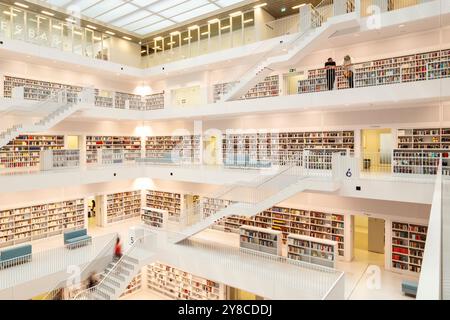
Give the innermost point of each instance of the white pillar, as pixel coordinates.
(305, 17)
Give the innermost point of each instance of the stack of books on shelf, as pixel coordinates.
(130, 147)
(180, 285)
(261, 239)
(320, 225)
(134, 286)
(183, 149)
(38, 90)
(154, 217)
(168, 201)
(270, 87)
(104, 99)
(40, 221)
(312, 250)
(419, 150)
(320, 159)
(408, 246)
(414, 67)
(154, 101)
(24, 151)
(123, 205)
(59, 159)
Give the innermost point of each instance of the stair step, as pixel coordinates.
(117, 276)
(106, 287)
(130, 259)
(111, 281)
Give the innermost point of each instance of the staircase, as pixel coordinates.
(266, 195)
(118, 274)
(315, 28)
(63, 111)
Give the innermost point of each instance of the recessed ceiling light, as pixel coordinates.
(260, 5)
(205, 33)
(21, 5)
(110, 33)
(158, 38)
(235, 14)
(47, 13)
(213, 21)
(91, 27)
(299, 6)
(401, 26)
(175, 33)
(143, 51)
(194, 27)
(127, 38)
(248, 21)
(71, 20)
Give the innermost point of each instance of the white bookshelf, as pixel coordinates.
(320, 225)
(104, 99)
(408, 246)
(167, 201)
(269, 87)
(154, 101)
(185, 148)
(419, 149)
(154, 217)
(25, 150)
(130, 146)
(59, 159)
(38, 90)
(261, 239)
(134, 286)
(130, 101)
(320, 159)
(408, 68)
(35, 222)
(312, 250)
(180, 285)
(123, 205)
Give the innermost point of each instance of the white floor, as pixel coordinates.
(145, 295)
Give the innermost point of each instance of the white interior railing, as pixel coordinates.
(429, 287)
(445, 232)
(51, 261)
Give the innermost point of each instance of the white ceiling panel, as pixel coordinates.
(143, 16)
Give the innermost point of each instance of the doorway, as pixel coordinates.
(192, 207)
(376, 147)
(210, 150)
(369, 239)
(95, 217)
(73, 142)
(291, 81)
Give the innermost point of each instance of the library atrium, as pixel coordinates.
(224, 149)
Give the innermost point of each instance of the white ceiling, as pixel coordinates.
(143, 16)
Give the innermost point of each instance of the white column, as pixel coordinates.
(349, 222)
(82, 147)
(388, 245)
(305, 17)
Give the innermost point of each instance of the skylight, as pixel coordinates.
(143, 16)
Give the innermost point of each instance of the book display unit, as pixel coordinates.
(128, 145)
(154, 101)
(134, 286)
(260, 239)
(24, 151)
(168, 201)
(415, 67)
(312, 250)
(40, 221)
(128, 101)
(319, 225)
(180, 285)
(59, 159)
(419, 150)
(104, 99)
(38, 90)
(222, 89)
(408, 246)
(123, 205)
(154, 217)
(320, 159)
(270, 87)
(185, 148)
(286, 147)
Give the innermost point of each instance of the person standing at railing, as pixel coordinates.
(348, 70)
(330, 66)
(118, 249)
(92, 281)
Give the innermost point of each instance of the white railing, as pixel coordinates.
(370, 7)
(429, 287)
(299, 280)
(284, 26)
(52, 261)
(99, 263)
(59, 159)
(144, 247)
(445, 240)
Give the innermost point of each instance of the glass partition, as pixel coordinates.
(77, 40)
(5, 21)
(67, 38)
(43, 30)
(56, 34)
(18, 24)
